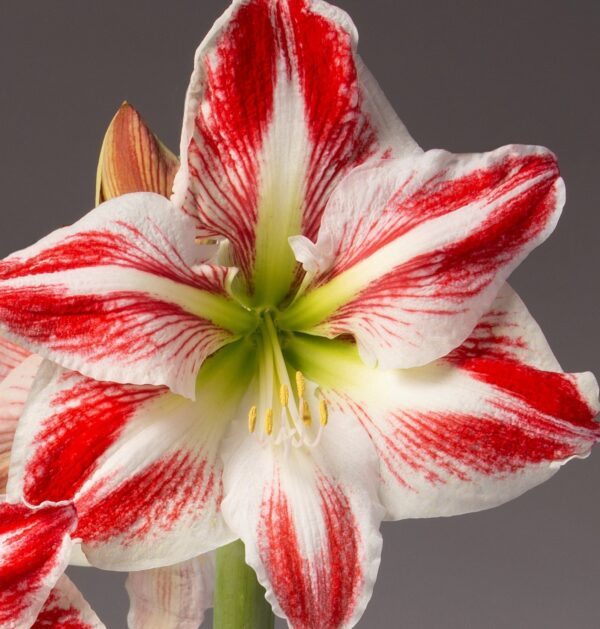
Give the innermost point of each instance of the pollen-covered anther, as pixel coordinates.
(284, 395)
(269, 421)
(252, 419)
(306, 414)
(300, 384)
(323, 413)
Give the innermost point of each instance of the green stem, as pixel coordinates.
(239, 601)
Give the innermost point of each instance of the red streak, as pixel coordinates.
(128, 326)
(342, 136)
(546, 392)
(506, 228)
(223, 152)
(155, 499)
(153, 254)
(269, 42)
(88, 417)
(54, 615)
(31, 542)
(319, 590)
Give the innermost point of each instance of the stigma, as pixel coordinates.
(290, 421)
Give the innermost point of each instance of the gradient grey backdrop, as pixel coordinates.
(467, 76)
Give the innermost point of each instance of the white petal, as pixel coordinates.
(118, 296)
(469, 431)
(266, 141)
(141, 464)
(309, 521)
(422, 247)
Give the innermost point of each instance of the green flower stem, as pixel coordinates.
(239, 601)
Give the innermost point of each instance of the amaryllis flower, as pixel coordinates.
(312, 335)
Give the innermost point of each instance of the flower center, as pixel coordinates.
(284, 414)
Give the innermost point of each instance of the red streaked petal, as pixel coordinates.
(309, 522)
(119, 295)
(474, 429)
(14, 390)
(90, 415)
(141, 464)
(174, 597)
(11, 355)
(66, 608)
(276, 114)
(34, 551)
(417, 249)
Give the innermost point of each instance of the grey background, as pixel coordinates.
(467, 76)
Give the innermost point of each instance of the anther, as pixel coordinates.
(300, 383)
(269, 421)
(284, 395)
(252, 419)
(323, 413)
(306, 416)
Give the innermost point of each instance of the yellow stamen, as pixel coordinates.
(300, 383)
(306, 416)
(323, 413)
(269, 421)
(252, 419)
(284, 395)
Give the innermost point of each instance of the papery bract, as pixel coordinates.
(133, 159)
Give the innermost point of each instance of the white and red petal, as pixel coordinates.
(141, 464)
(278, 110)
(11, 355)
(66, 608)
(473, 430)
(421, 247)
(309, 520)
(174, 597)
(121, 295)
(14, 390)
(34, 551)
